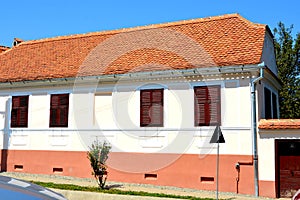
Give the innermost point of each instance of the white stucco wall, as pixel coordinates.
(39, 105)
(266, 155)
(114, 115)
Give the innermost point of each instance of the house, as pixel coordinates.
(156, 93)
(3, 48)
(281, 138)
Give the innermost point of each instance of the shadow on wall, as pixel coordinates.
(6, 135)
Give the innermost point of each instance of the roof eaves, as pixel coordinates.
(272, 124)
(137, 75)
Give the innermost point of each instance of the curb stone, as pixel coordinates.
(78, 195)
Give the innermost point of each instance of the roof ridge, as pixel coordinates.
(143, 27)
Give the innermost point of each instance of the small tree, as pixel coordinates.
(98, 154)
(287, 51)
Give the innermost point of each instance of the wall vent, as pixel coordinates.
(57, 170)
(205, 179)
(18, 167)
(150, 176)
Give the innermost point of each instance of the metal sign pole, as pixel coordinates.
(218, 138)
(218, 153)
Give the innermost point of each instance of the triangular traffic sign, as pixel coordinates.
(217, 136)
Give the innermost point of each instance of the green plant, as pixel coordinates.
(98, 154)
(114, 191)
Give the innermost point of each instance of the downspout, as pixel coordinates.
(254, 125)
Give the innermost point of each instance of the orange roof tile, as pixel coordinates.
(221, 41)
(279, 124)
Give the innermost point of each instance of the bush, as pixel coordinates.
(98, 154)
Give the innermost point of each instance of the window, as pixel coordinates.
(270, 104)
(274, 106)
(19, 111)
(59, 109)
(151, 108)
(207, 105)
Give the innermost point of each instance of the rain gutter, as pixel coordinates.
(138, 75)
(254, 125)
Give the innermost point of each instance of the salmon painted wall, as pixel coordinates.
(190, 171)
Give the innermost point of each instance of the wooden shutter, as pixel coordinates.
(14, 116)
(151, 107)
(54, 100)
(16, 102)
(214, 100)
(156, 111)
(59, 109)
(201, 105)
(207, 104)
(53, 117)
(19, 111)
(145, 106)
(23, 116)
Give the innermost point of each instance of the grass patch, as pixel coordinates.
(113, 191)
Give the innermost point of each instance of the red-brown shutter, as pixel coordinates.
(54, 100)
(59, 110)
(145, 108)
(151, 108)
(16, 102)
(201, 105)
(63, 116)
(13, 120)
(19, 111)
(214, 100)
(53, 117)
(23, 117)
(156, 112)
(207, 105)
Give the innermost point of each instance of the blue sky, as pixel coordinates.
(35, 19)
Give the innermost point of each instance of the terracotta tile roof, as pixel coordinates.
(279, 124)
(219, 41)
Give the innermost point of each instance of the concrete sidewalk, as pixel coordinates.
(79, 195)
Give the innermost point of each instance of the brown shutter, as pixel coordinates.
(157, 108)
(59, 110)
(19, 111)
(207, 105)
(214, 100)
(23, 113)
(16, 102)
(54, 100)
(145, 108)
(23, 101)
(151, 108)
(63, 116)
(13, 120)
(201, 105)
(64, 100)
(53, 117)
